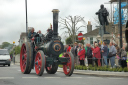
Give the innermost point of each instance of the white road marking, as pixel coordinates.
(73, 77)
(15, 67)
(29, 77)
(115, 78)
(6, 77)
(93, 77)
(51, 77)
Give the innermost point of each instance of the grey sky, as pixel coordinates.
(12, 14)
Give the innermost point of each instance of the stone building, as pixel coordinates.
(23, 37)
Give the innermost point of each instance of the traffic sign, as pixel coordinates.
(80, 36)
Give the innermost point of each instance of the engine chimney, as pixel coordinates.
(55, 22)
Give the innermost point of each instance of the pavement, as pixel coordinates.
(95, 73)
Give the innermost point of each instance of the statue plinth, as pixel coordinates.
(106, 37)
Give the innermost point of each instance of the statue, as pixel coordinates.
(102, 15)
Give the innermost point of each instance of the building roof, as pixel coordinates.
(117, 1)
(94, 32)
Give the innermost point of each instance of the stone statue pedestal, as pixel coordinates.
(106, 37)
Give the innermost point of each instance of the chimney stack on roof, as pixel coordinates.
(89, 23)
(89, 27)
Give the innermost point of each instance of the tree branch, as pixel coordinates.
(79, 28)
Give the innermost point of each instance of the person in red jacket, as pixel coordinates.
(96, 54)
(81, 55)
(69, 48)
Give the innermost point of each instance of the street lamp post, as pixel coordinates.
(26, 18)
(13, 51)
(120, 24)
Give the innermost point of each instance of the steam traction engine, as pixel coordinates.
(43, 53)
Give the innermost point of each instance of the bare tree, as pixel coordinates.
(71, 25)
(95, 21)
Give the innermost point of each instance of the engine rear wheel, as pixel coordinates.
(26, 58)
(52, 69)
(69, 67)
(39, 63)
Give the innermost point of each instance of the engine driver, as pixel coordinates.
(31, 34)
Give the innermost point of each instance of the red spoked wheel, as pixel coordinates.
(69, 67)
(25, 58)
(39, 63)
(52, 69)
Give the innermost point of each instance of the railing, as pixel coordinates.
(110, 61)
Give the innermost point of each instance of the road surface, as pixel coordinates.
(13, 76)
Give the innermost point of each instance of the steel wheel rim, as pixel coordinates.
(67, 67)
(23, 58)
(38, 63)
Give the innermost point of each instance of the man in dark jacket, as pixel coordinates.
(75, 48)
(89, 54)
(105, 52)
(123, 57)
(74, 51)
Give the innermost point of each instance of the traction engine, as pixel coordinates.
(43, 53)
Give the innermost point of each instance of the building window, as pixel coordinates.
(91, 40)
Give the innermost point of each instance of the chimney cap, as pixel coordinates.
(55, 10)
(89, 22)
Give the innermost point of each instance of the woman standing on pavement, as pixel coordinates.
(96, 55)
(81, 55)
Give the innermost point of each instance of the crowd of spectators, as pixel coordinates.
(99, 54)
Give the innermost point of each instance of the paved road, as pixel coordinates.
(12, 76)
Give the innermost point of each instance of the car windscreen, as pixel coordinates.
(4, 52)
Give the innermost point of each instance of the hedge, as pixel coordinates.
(95, 68)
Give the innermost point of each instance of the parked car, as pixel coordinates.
(4, 57)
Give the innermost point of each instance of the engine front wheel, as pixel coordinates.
(39, 63)
(69, 67)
